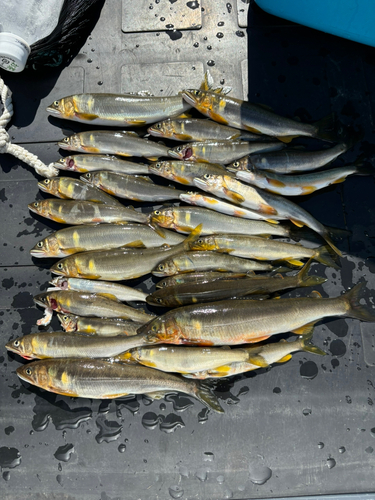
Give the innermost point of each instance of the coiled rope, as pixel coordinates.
(18, 151)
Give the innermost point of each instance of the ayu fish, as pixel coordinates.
(231, 322)
(185, 172)
(91, 162)
(100, 379)
(84, 212)
(131, 187)
(199, 277)
(71, 240)
(108, 327)
(255, 118)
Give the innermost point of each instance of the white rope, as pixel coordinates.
(18, 151)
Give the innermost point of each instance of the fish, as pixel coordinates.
(184, 172)
(214, 151)
(186, 359)
(297, 185)
(113, 142)
(218, 205)
(71, 345)
(130, 186)
(100, 379)
(84, 212)
(86, 304)
(117, 110)
(113, 291)
(261, 356)
(291, 161)
(91, 162)
(197, 129)
(194, 292)
(186, 262)
(267, 203)
(71, 240)
(231, 322)
(98, 326)
(256, 118)
(254, 247)
(118, 264)
(198, 277)
(185, 219)
(74, 189)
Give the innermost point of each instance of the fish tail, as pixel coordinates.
(305, 280)
(365, 170)
(326, 128)
(307, 346)
(352, 137)
(338, 234)
(325, 255)
(204, 394)
(327, 237)
(195, 232)
(354, 308)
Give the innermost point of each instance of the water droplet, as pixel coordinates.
(92, 50)
(193, 5)
(222, 81)
(370, 449)
(61, 415)
(100, 82)
(372, 432)
(180, 403)
(203, 415)
(348, 399)
(221, 23)
(201, 474)
(89, 60)
(308, 370)
(109, 430)
(196, 44)
(209, 47)
(342, 449)
(169, 26)
(229, 8)
(331, 462)
(306, 412)
(176, 491)
(6, 475)
(150, 420)
(208, 456)
(162, 19)
(59, 467)
(171, 423)
(276, 390)
(122, 448)
(157, 1)
(63, 453)
(220, 35)
(162, 406)
(131, 403)
(9, 457)
(240, 33)
(144, 461)
(183, 471)
(259, 474)
(337, 348)
(174, 34)
(104, 406)
(220, 479)
(59, 479)
(210, 63)
(150, 7)
(320, 445)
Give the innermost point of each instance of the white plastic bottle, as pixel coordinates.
(22, 23)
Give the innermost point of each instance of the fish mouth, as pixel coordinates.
(39, 302)
(43, 187)
(57, 271)
(188, 97)
(31, 207)
(199, 183)
(153, 131)
(174, 154)
(10, 348)
(36, 252)
(51, 109)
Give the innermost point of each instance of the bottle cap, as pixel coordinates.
(14, 52)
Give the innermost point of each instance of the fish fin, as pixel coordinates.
(136, 123)
(183, 137)
(297, 223)
(186, 114)
(337, 233)
(305, 329)
(328, 239)
(326, 128)
(326, 256)
(151, 158)
(224, 369)
(267, 209)
(305, 280)
(287, 138)
(109, 296)
(218, 118)
(284, 359)
(205, 395)
(276, 296)
(125, 357)
(158, 230)
(135, 244)
(354, 308)
(91, 149)
(271, 221)
(250, 273)
(258, 339)
(86, 116)
(276, 183)
(157, 394)
(308, 190)
(207, 82)
(236, 197)
(338, 181)
(295, 262)
(251, 129)
(365, 170)
(266, 236)
(307, 346)
(195, 232)
(315, 295)
(145, 178)
(258, 360)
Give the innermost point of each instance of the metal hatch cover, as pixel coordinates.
(160, 15)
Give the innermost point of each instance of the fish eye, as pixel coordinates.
(65, 318)
(56, 103)
(159, 301)
(16, 343)
(161, 267)
(179, 149)
(157, 212)
(158, 125)
(66, 139)
(60, 266)
(36, 204)
(154, 328)
(44, 299)
(28, 371)
(88, 176)
(200, 241)
(47, 181)
(40, 244)
(236, 164)
(158, 165)
(207, 176)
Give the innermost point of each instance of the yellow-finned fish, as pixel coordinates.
(91, 162)
(100, 379)
(107, 327)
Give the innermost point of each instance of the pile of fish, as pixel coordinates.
(207, 252)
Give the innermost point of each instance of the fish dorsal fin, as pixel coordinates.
(207, 82)
(109, 296)
(305, 329)
(134, 244)
(130, 132)
(315, 295)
